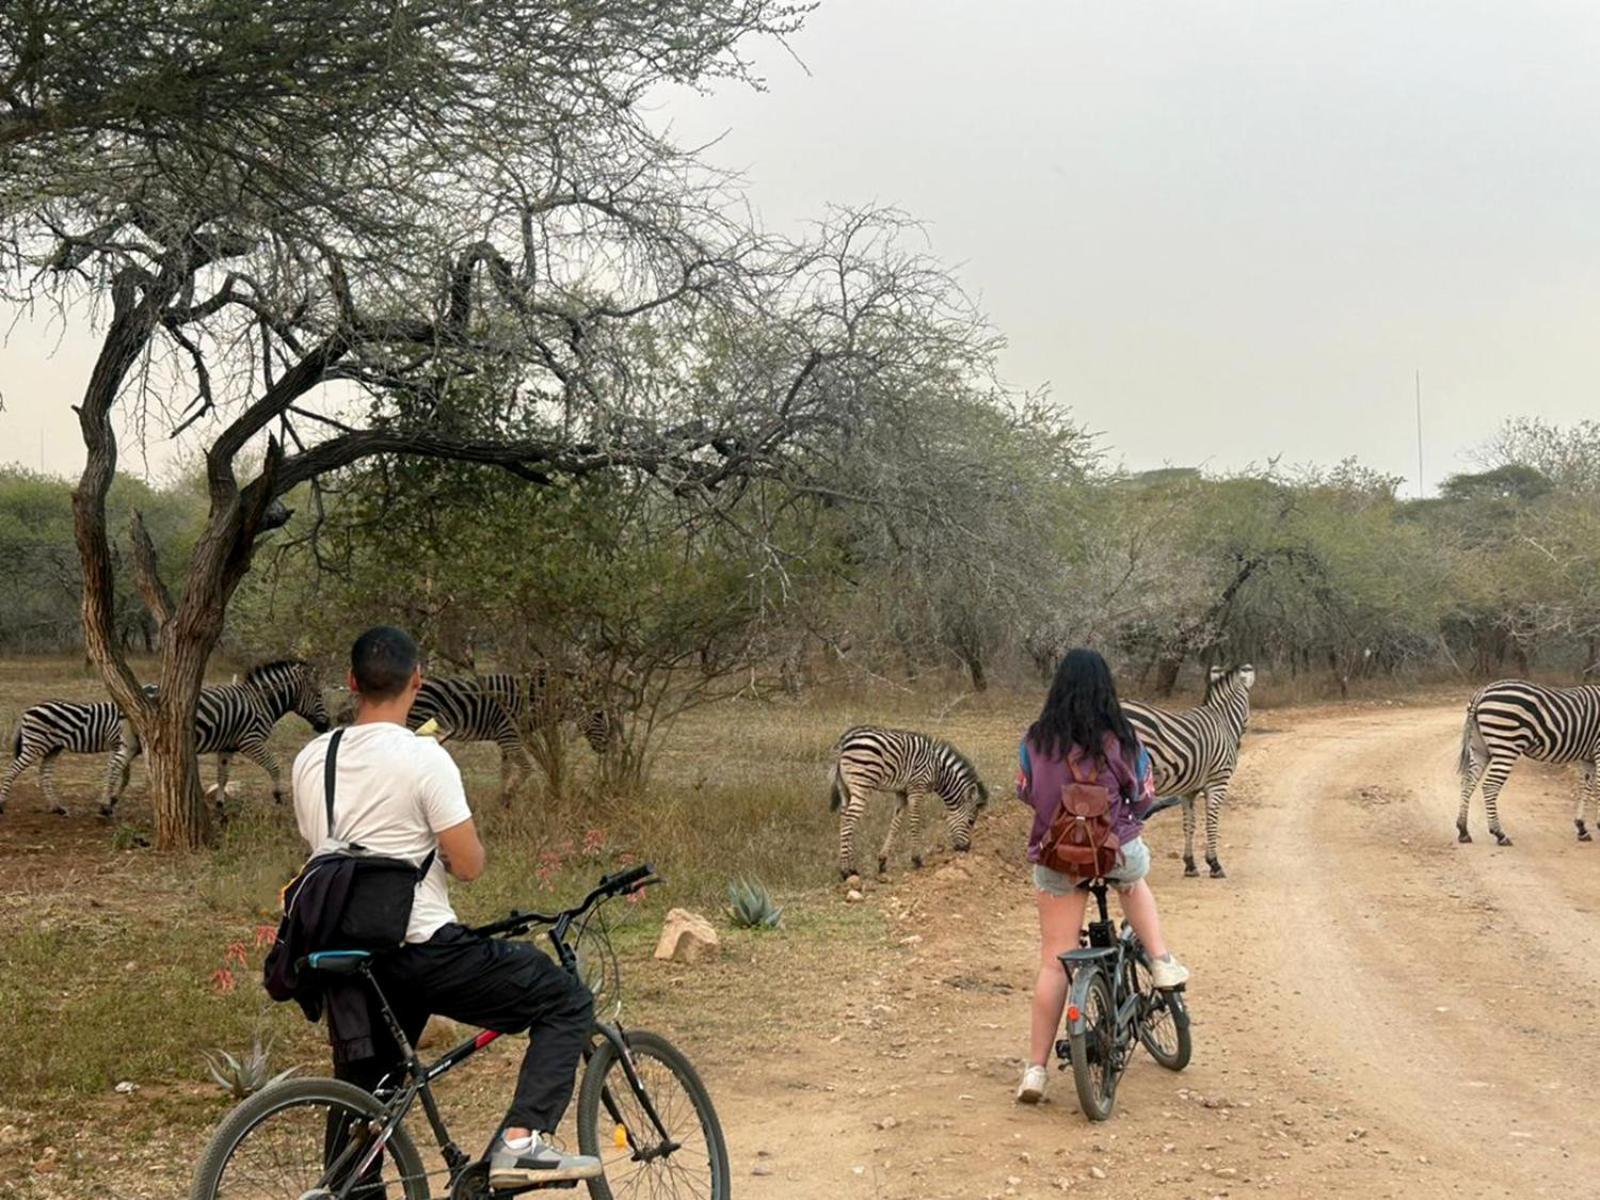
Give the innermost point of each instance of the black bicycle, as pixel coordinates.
(641, 1107)
(1113, 1005)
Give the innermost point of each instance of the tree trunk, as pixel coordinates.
(181, 819)
(980, 681)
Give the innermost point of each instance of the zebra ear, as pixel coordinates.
(1217, 673)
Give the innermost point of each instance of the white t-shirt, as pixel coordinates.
(395, 793)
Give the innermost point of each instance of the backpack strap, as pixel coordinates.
(330, 774)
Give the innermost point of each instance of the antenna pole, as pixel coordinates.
(1419, 434)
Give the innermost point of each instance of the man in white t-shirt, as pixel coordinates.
(400, 795)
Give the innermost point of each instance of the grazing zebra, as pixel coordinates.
(56, 727)
(238, 718)
(466, 712)
(1195, 752)
(912, 765)
(544, 697)
(1511, 718)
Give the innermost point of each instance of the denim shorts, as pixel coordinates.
(1133, 866)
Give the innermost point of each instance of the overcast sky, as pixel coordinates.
(1218, 231)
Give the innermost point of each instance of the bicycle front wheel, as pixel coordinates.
(1092, 1034)
(306, 1138)
(614, 1125)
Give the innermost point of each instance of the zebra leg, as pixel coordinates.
(1494, 778)
(1189, 869)
(18, 765)
(894, 828)
(47, 780)
(120, 765)
(268, 762)
(914, 803)
(849, 816)
(1469, 782)
(1214, 798)
(1587, 795)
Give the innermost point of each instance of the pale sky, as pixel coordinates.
(1218, 231)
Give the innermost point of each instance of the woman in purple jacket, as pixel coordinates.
(1082, 725)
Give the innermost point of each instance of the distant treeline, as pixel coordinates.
(986, 546)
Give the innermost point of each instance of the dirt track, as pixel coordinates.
(1378, 1011)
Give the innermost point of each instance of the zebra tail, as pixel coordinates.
(1470, 736)
(836, 793)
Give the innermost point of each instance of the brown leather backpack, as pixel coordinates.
(1080, 842)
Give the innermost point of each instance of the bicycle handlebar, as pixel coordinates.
(620, 884)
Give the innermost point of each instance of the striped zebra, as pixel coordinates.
(238, 718)
(545, 697)
(912, 765)
(1512, 718)
(466, 712)
(1195, 752)
(56, 727)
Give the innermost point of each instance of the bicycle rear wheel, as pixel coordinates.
(1092, 1035)
(1163, 1017)
(696, 1167)
(280, 1143)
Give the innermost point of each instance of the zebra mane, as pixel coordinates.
(261, 670)
(966, 765)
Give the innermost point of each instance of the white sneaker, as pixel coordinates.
(1034, 1080)
(1168, 972)
(539, 1163)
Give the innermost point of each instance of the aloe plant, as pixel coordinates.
(750, 906)
(247, 1074)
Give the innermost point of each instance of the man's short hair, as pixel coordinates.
(382, 661)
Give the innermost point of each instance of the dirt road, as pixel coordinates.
(1378, 1011)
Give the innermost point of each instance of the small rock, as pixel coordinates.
(854, 896)
(126, 1088)
(686, 937)
(1097, 1172)
(853, 882)
(887, 1123)
(1013, 1180)
(761, 1168)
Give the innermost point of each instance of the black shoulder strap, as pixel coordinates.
(329, 774)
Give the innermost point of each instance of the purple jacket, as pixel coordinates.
(1040, 778)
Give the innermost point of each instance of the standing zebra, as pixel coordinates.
(56, 727)
(546, 697)
(1511, 718)
(912, 765)
(1195, 752)
(465, 711)
(238, 718)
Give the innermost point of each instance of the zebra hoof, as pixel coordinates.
(1216, 869)
(916, 861)
(883, 866)
(1190, 871)
(1501, 838)
(60, 810)
(1463, 836)
(1583, 832)
(107, 812)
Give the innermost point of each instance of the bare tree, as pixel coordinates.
(317, 216)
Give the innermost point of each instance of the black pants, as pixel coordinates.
(492, 983)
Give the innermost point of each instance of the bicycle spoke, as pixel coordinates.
(686, 1172)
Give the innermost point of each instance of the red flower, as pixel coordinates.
(236, 953)
(222, 981)
(266, 936)
(594, 841)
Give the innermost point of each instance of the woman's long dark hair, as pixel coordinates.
(1081, 709)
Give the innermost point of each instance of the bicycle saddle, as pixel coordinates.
(337, 962)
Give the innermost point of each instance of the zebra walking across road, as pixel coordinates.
(466, 712)
(238, 718)
(1512, 718)
(1194, 752)
(913, 766)
(56, 727)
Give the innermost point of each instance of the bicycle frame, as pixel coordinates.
(419, 1076)
(1112, 950)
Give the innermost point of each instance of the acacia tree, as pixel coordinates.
(316, 215)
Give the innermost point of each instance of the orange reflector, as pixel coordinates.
(620, 1138)
(1072, 1012)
